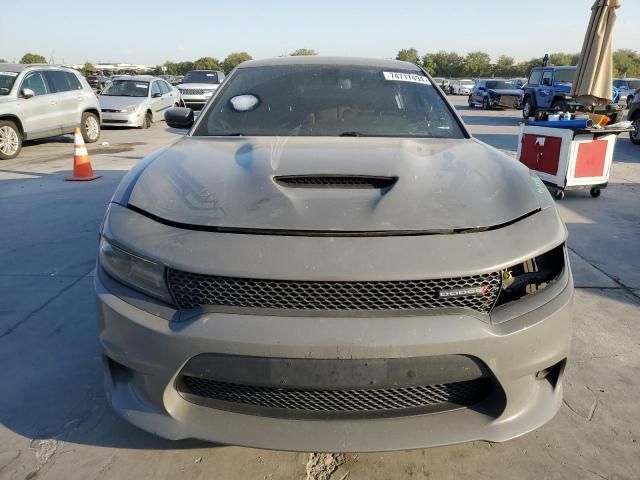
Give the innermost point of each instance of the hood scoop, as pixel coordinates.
(335, 181)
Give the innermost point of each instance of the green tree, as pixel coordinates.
(562, 59)
(32, 58)
(523, 69)
(429, 63)
(477, 64)
(87, 68)
(505, 67)
(408, 55)
(235, 59)
(207, 63)
(303, 51)
(2, 60)
(626, 63)
(448, 64)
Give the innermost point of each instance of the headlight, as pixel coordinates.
(531, 276)
(129, 109)
(135, 272)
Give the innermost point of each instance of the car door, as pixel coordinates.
(156, 99)
(481, 87)
(40, 117)
(167, 95)
(545, 89)
(66, 103)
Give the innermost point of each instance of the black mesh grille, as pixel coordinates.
(339, 401)
(192, 290)
(347, 181)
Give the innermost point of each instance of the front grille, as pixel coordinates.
(195, 91)
(191, 290)
(108, 110)
(111, 120)
(345, 181)
(292, 401)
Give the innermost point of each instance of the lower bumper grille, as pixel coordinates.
(284, 402)
(477, 292)
(112, 120)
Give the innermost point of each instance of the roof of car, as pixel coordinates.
(322, 60)
(19, 67)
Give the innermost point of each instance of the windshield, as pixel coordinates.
(126, 88)
(501, 84)
(6, 82)
(328, 101)
(565, 75)
(200, 77)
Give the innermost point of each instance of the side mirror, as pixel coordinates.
(156, 95)
(179, 117)
(27, 93)
(546, 82)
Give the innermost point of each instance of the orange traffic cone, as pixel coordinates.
(82, 170)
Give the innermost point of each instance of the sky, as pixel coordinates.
(151, 32)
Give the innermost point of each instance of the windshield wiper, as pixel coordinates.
(350, 134)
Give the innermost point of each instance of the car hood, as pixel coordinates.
(115, 103)
(505, 91)
(205, 86)
(442, 185)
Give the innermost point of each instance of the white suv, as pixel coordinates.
(197, 87)
(38, 101)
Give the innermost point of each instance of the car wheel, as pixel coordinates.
(635, 135)
(10, 140)
(90, 126)
(146, 121)
(471, 104)
(485, 104)
(528, 110)
(595, 192)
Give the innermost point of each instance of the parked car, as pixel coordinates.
(328, 250)
(197, 86)
(443, 83)
(462, 87)
(137, 101)
(627, 88)
(547, 87)
(97, 82)
(634, 116)
(518, 82)
(39, 101)
(493, 93)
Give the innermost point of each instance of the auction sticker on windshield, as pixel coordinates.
(406, 77)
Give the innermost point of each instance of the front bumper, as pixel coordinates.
(118, 119)
(195, 102)
(144, 354)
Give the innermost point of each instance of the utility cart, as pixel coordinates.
(569, 158)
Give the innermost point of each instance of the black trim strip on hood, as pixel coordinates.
(325, 233)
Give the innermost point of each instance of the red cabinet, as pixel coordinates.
(541, 153)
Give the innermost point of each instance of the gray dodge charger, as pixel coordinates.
(329, 261)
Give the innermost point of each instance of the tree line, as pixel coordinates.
(626, 63)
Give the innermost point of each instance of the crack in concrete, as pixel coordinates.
(578, 467)
(621, 286)
(31, 314)
(2, 467)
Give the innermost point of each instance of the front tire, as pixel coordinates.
(635, 135)
(485, 104)
(146, 121)
(528, 109)
(10, 140)
(90, 126)
(471, 104)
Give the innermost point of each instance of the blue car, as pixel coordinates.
(550, 87)
(492, 93)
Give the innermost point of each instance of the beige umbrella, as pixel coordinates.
(592, 84)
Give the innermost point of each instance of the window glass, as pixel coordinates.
(164, 88)
(57, 81)
(155, 88)
(7, 79)
(546, 78)
(35, 81)
(74, 83)
(501, 84)
(201, 76)
(329, 101)
(565, 75)
(126, 88)
(534, 78)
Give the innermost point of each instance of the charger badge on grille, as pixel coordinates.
(463, 292)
